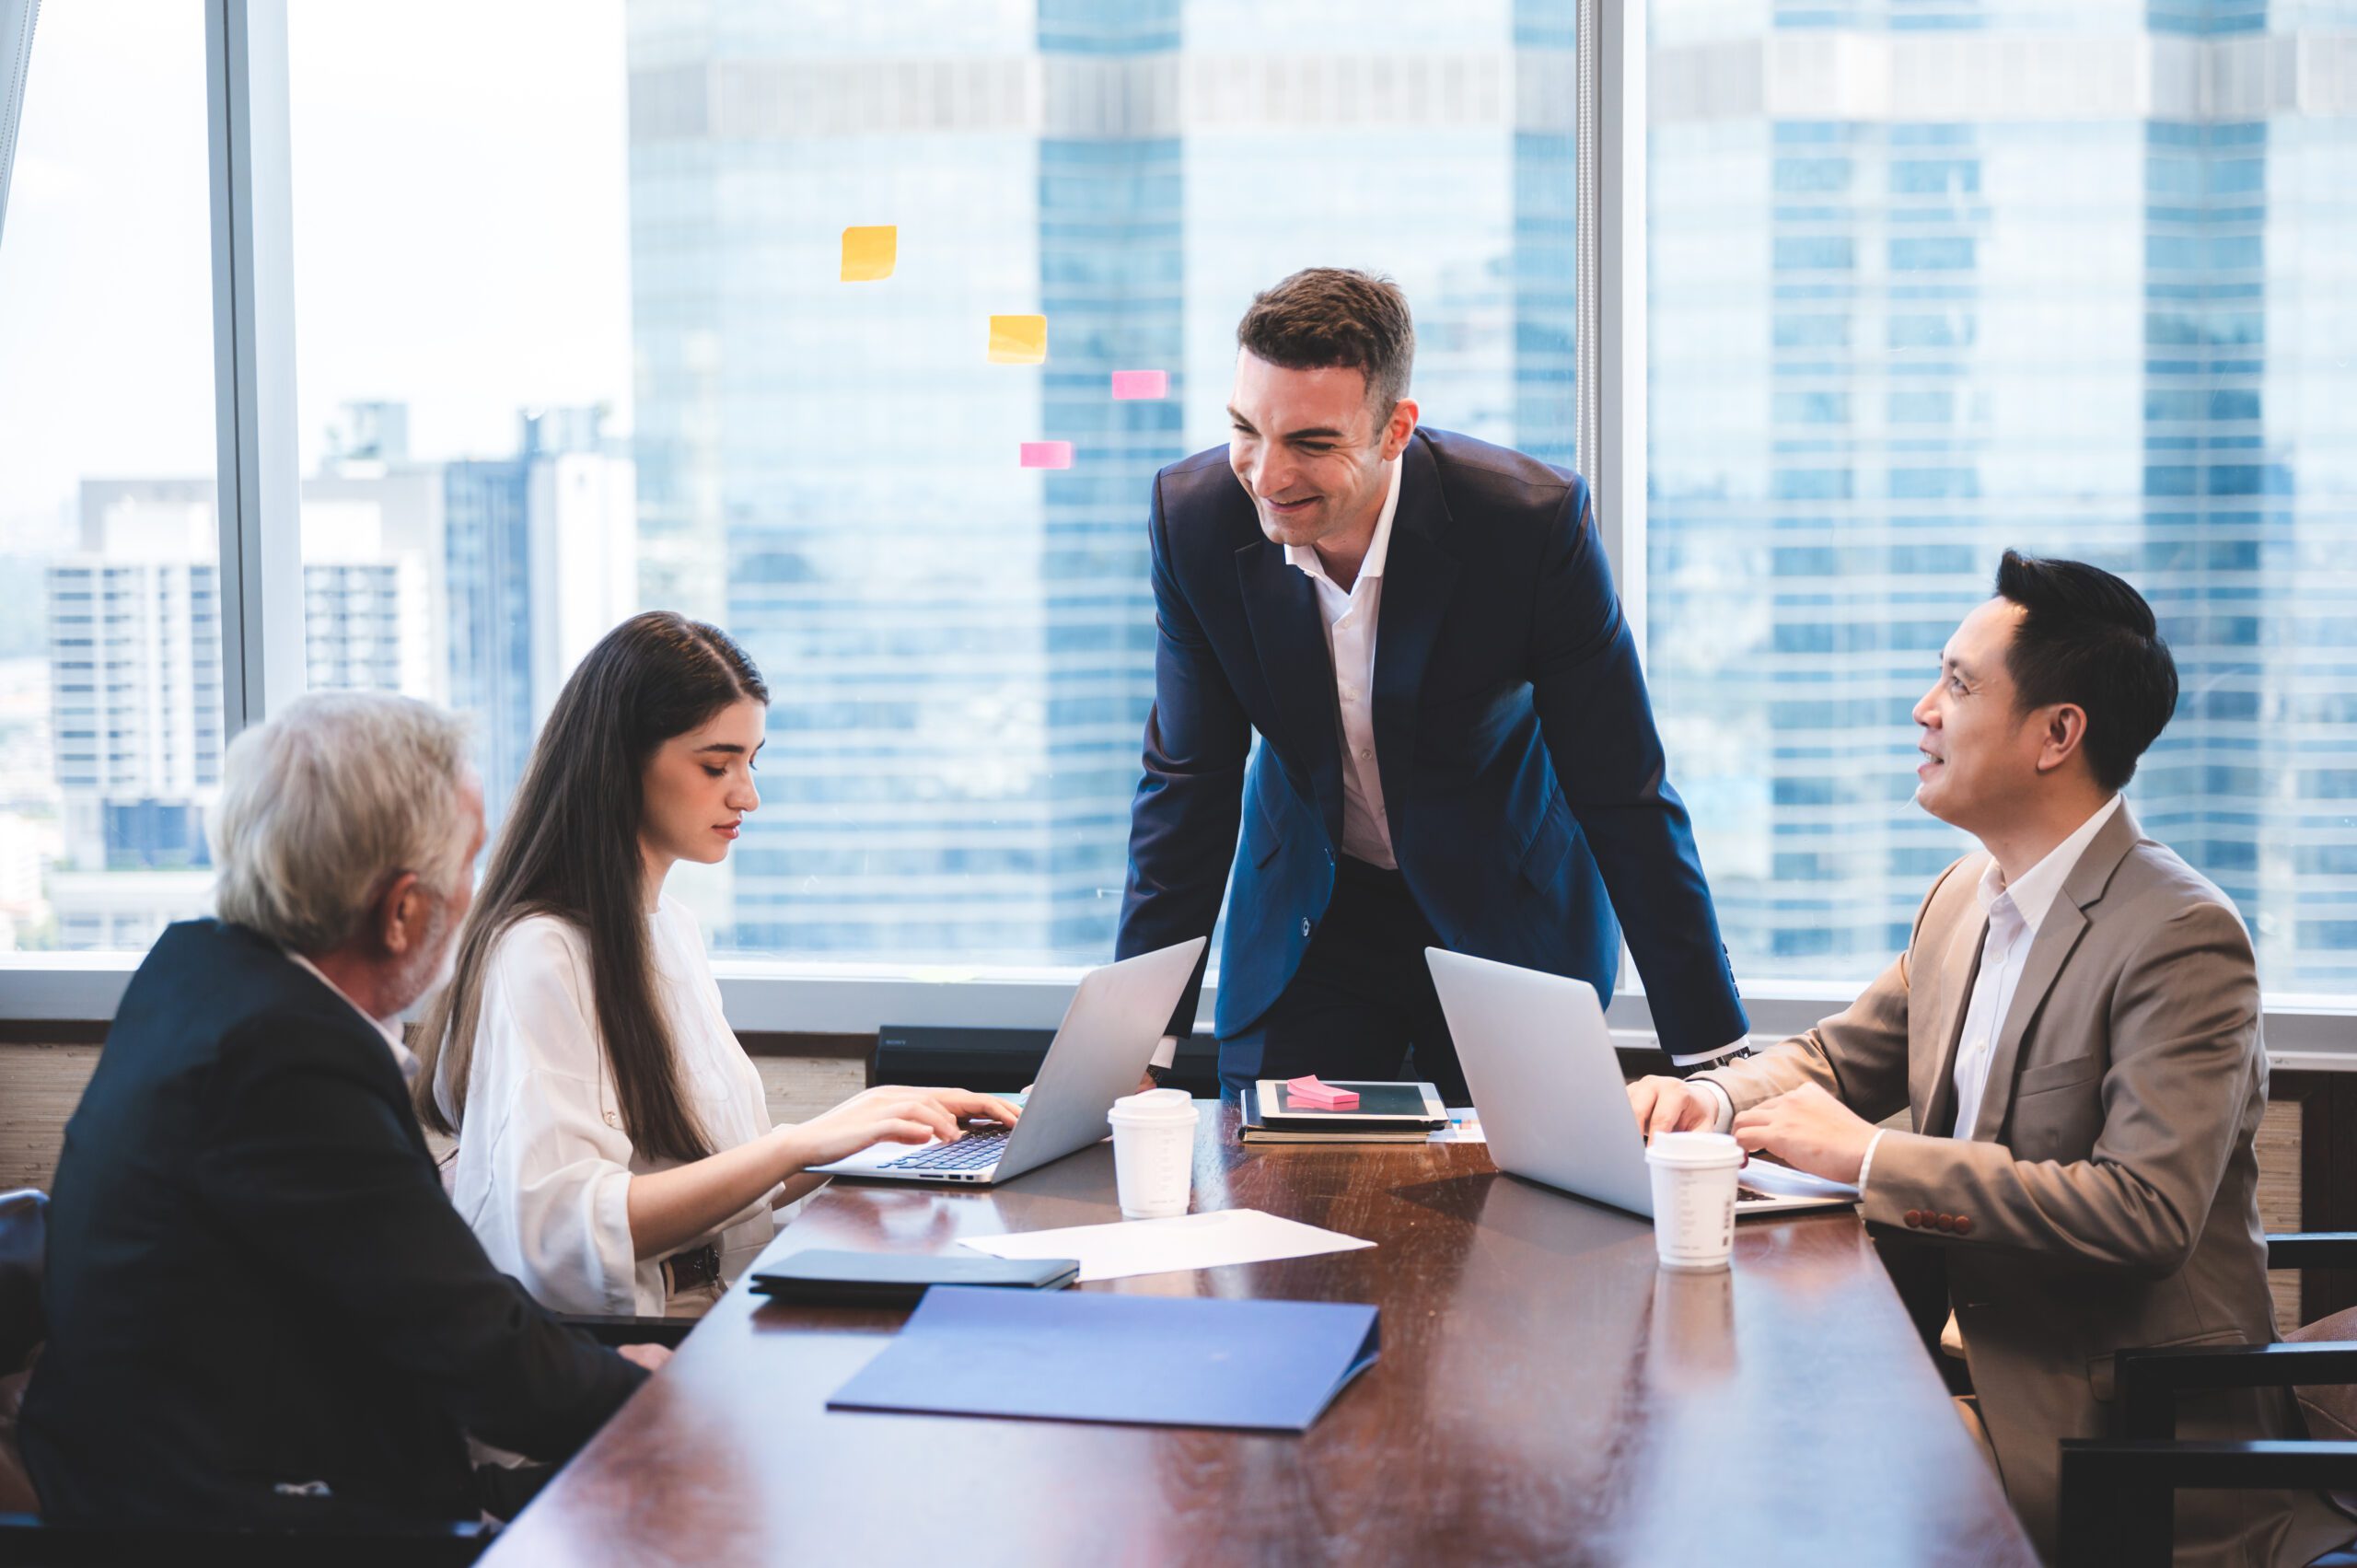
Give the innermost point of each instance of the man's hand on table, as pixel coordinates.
(651, 1358)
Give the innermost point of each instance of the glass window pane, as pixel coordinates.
(1931, 280)
(110, 630)
(642, 207)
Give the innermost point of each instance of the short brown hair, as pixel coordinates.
(1336, 318)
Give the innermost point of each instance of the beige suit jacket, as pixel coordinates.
(2106, 1195)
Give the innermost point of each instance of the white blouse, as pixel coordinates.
(544, 1165)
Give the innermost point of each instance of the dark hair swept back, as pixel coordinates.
(1336, 318)
(570, 849)
(2088, 638)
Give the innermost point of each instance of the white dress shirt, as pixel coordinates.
(1349, 635)
(1350, 638)
(2015, 912)
(403, 1058)
(544, 1166)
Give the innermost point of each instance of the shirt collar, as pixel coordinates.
(1305, 556)
(404, 1057)
(2033, 892)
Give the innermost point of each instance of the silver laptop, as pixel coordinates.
(1101, 1051)
(1547, 1082)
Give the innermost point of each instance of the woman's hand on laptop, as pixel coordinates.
(891, 1114)
(1671, 1105)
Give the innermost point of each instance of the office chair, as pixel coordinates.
(2118, 1494)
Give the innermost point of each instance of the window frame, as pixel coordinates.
(261, 584)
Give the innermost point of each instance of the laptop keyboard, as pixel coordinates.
(968, 1152)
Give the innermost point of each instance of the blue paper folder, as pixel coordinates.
(1150, 1360)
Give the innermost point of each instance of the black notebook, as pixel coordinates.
(897, 1279)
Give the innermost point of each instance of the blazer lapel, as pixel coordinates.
(1959, 967)
(1289, 636)
(2058, 937)
(1418, 575)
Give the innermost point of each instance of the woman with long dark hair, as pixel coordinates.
(615, 1151)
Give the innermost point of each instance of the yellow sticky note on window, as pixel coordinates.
(869, 253)
(1018, 340)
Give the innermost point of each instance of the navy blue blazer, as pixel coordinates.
(1522, 778)
(255, 1282)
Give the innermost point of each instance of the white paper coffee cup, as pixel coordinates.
(1153, 1152)
(1694, 1177)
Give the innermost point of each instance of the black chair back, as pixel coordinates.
(24, 1238)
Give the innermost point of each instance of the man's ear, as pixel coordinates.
(1400, 427)
(2065, 736)
(400, 913)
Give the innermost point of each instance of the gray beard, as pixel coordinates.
(428, 969)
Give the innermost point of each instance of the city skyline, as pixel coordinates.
(1925, 281)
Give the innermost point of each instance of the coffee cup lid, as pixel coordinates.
(1156, 1105)
(1696, 1151)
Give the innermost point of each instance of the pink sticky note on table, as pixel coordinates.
(1309, 1091)
(1046, 454)
(1129, 384)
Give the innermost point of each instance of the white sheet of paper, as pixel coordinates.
(1161, 1247)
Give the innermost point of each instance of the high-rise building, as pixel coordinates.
(475, 584)
(960, 652)
(1928, 280)
(372, 613)
(487, 560)
(541, 559)
(135, 660)
(29, 840)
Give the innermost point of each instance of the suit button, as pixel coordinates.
(1947, 1221)
(1914, 1217)
(1305, 925)
(1964, 1224)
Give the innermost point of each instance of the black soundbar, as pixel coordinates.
(997, 1061)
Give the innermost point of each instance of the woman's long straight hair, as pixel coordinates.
(570, 849)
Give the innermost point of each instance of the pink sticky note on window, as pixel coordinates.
(1311, 1092)
(1129, 384)
(1046, 454)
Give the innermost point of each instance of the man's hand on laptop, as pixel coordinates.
(890, 1114)
(1808, 1129)
(1671, 1105)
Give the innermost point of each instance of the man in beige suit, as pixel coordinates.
(2074, 1030)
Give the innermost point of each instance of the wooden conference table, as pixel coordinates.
(1545, 1395)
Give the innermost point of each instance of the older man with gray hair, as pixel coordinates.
(262, 1307)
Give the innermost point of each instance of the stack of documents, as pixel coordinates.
(1156, 1361)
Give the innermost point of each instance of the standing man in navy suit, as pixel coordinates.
(1457, 748)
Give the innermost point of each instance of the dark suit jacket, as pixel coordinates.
(1522, 778)
(256, 1282)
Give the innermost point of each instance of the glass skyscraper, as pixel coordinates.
(1928, 280)
(961, 652)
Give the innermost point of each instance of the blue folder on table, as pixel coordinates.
(1087, 1355)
